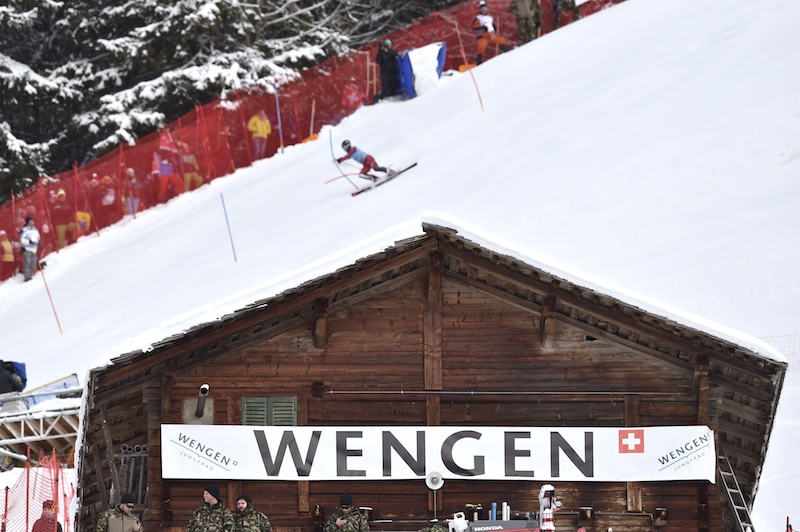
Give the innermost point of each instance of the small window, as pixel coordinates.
(269, 411)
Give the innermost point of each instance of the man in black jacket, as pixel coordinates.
(387, 62)
(8, 381)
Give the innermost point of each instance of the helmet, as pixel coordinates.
(346, 145)
(482, 4)
(387, 42)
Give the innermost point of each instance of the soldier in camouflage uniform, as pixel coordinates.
(529, 18)
(346, 518)
(212, 516)
(247, 519)
(122, 511)
(564, 5)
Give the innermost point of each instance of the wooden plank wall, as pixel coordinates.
(379, 345)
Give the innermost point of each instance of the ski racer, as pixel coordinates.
(367, 160)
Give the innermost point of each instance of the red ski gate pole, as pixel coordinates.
(47, 289)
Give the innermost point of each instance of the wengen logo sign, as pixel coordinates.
(603, 454)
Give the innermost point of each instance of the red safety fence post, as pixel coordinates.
(207, 144)
(44, 208)
(120, 176)
(246, 134)
(466, 65)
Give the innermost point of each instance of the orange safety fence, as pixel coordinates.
(212, 140)
(22, 504)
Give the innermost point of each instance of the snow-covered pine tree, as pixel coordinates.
(80, 76)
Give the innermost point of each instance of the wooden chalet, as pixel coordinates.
(435, 330)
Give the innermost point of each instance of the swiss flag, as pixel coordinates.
(352, 97)
(631, 441)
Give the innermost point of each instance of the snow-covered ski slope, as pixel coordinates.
(654, 146)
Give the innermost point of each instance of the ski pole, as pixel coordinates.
(336, 162)
(230, 235)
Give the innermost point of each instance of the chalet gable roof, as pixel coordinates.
(745, 375)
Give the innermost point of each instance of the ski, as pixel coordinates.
(383, 180)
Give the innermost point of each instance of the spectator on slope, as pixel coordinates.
(63, 218)
(47, 522)
(529, 18)
(8, 263)
(8, 382)
(131, 191)
(108, 212)
(170, 185)
(259, 127)
(191, 171)
(30, 240)
(387, 62)
(83, 210)
(559, 6)
(483, 24)
(368, 162)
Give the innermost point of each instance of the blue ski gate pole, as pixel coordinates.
(230, 235)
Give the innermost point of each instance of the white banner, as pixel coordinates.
(236, 452)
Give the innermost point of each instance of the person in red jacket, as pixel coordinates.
(48, 521)
(368, 161)
(483, 24)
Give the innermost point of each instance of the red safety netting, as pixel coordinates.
(21, 505)
(213, 140)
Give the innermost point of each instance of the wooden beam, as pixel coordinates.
(433, 410)
(548, 323)
(319, 324)
(633, 489)
(112, 463)
(432, 328)
(303, 505)
(700, 388)
(101, 483)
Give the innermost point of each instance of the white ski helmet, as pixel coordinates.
(346, 145)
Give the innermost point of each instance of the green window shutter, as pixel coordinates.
(269, 411)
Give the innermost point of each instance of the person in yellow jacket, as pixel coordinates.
(260, 128)
(8, 265)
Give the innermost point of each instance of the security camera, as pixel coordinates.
(204, 389)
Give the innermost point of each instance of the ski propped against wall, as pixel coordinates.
(383, 180)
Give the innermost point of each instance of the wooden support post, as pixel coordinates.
(319, 325)
(633, 489)
(432, 331)
(101, 483)
(112, 463)
(548, 325)
(700, 388)
(303, 505)
(433, 411)
(166, 389)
